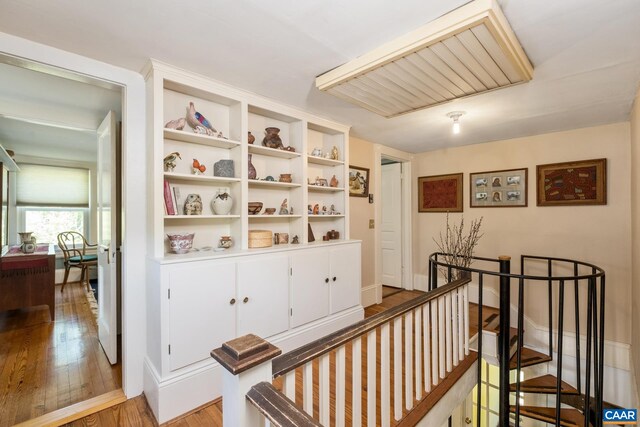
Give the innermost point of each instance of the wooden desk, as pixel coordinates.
(28, 280)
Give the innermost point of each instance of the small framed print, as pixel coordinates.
(499, 189)
(358, 181)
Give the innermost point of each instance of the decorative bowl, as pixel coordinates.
(269, 211)
(255, 208)
(181, 243)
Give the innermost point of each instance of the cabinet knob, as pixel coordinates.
(334, 278)
(326, 280)
(245, 300)
(233, 301)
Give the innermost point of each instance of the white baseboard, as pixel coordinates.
(371, 295)
(193, 386)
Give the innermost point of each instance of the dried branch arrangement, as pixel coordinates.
(458, 245)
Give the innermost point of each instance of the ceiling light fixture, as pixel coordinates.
(455, 116)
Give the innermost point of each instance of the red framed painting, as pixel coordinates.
(440, 193)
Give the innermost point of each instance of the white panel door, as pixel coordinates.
(107, 238)
(391, 225)
(202, 309)
(344, 279)
(309, 285)
(263, 295)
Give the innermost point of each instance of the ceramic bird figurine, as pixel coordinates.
(177, 124)
(198, 167)
(170, 161)
(199, 123)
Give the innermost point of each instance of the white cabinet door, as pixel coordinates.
(309, 285)
(263, 295)
(345, 283)
(201, 310)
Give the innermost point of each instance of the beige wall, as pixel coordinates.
(596, 234)
(635, 225)
(361, 153)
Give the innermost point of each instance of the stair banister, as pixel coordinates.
(504, 339)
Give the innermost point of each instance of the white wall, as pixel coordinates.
(596, 234)
(635, 232)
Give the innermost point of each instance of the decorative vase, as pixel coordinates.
(181, 243)
(28, 245)
(252, 169)
(222, 204)
(225, 242)
(250, 138)
(271, 138)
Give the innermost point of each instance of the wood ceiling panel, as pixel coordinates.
(471, 43)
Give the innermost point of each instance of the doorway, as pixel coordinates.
(49, 122)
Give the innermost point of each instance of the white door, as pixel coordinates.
(391, 225)
(263, 296)
(344, 280)
(107, 238)
(309, 285)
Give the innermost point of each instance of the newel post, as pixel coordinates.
(247, 362)
(504, 339)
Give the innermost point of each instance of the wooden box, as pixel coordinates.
(260, 238)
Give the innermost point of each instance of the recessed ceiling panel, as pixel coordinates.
(468, 51)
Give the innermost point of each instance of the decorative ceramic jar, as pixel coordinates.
(271, 138)
(222, 203)
(28, 241)
(250, 138)
(252, 170)
(181, 243)
(285, 177)
(225, 242)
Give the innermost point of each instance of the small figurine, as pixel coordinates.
(170, 161)
(295, 240)
(316, 209)
(198, 168)
(332, 210)
(324, 210)
(317, 152)
(199, 123)
(283, 208)
(333, 182)
(193, 205)
(334, 153)
(309, 209)
(250, 138)
(177, 124)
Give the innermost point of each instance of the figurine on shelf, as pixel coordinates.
(332, 210)
(309, 209)
(324, 210)
(193, 205)
(250, 138)
(225, 242)
(199, 123)
(272, 139)
(295, 240)
(333, 182)
(283, 208)
(334, 153)
(316, 209)
(317, 152)
(177, 124)
(197, 168)
(170, 161)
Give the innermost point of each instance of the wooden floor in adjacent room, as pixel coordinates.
(46, 365)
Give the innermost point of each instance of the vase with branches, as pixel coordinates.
(457, 246)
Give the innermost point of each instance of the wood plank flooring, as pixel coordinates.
(46, 365)
(136, 412)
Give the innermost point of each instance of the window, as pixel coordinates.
(490, 397)
(52, 199)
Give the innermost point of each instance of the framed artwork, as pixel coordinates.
(582, 182)
(358, 181)
(440, 193)
(499, 189)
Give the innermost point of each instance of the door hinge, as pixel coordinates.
(169, 348)
(291, 311)
(291, 271)
(169, 293)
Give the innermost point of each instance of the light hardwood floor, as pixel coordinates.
(45, 365)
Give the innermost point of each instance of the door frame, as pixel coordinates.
(406, 159)
(23, 52)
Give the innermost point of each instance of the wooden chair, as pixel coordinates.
(74, 247)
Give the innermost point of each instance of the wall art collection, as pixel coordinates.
(582, 182)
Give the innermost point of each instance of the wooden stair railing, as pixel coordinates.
(588, 284)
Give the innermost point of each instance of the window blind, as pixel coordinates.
(52, 186)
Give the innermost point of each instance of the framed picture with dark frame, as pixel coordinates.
(440, 193)
(499, 189)
(582, 182)
(358, 181)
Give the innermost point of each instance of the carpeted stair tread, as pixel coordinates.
(529, 357)
(568, 417)
(544, 384)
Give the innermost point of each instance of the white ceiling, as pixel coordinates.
(586, 55)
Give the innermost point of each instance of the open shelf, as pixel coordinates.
(197, 138)
(323, 161)
(324, 189)
(311, 216)
(262, 216)
(266, 151)
(272, 184)
(199, 178)
(201, 217)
